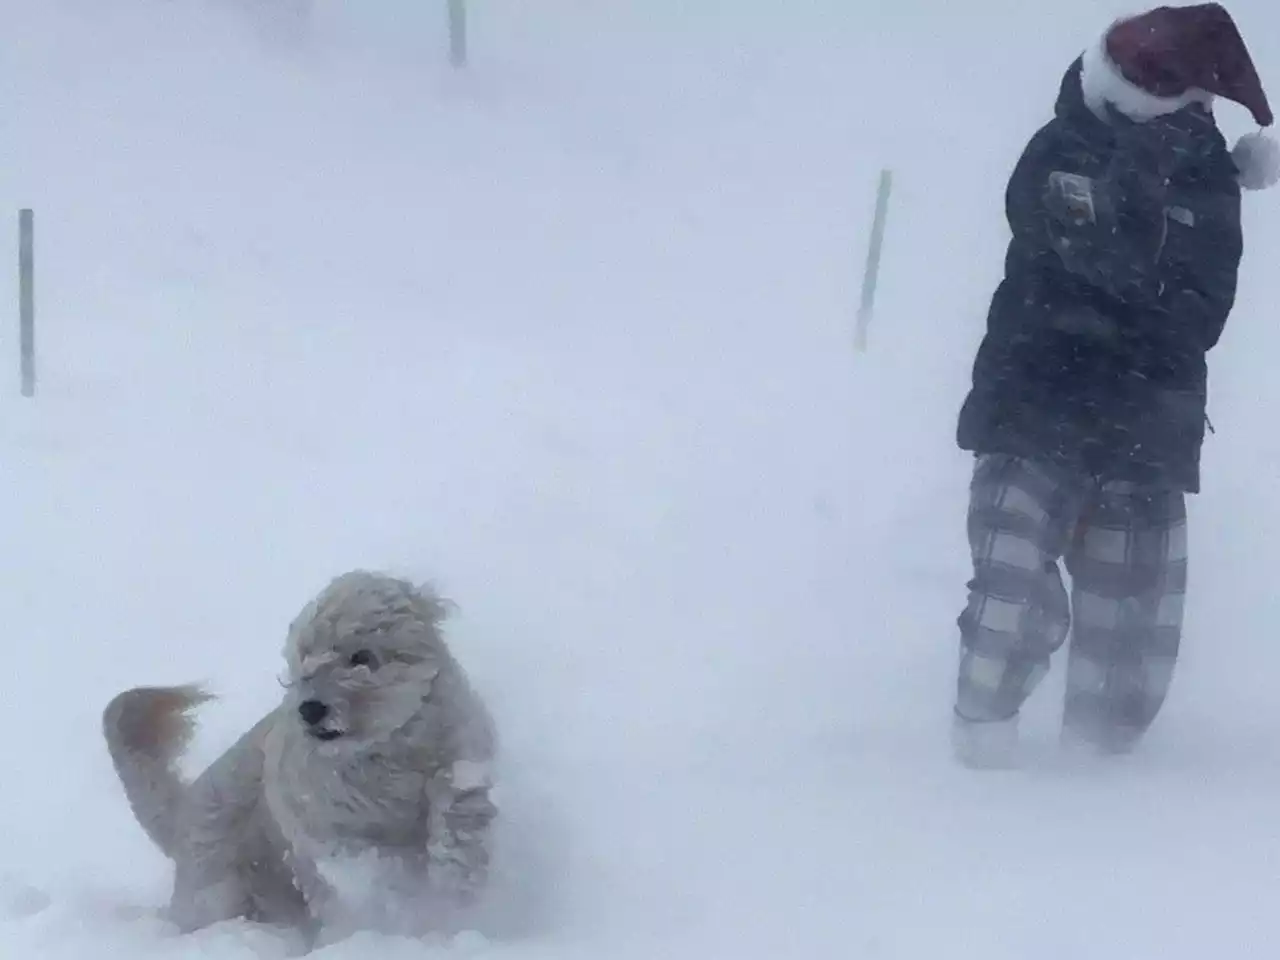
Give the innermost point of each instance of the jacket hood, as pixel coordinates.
(1208, 148)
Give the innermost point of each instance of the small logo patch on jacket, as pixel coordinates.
(1182, 215)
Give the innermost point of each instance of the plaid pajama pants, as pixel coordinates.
(1125, 548)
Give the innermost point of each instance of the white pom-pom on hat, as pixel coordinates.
(1257, 157)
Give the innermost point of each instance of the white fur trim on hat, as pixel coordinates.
(1257, 157)
(1101, 82)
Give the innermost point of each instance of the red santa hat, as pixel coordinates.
(1162, 60)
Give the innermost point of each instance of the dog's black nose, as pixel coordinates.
(312, 712)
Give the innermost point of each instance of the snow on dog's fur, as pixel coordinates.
(362, 800)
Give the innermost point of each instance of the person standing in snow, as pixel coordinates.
(1088, 402)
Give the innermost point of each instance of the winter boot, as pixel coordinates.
(1103, 740)
(985, 744)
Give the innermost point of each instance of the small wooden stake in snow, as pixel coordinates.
(458, 33)
(27, 301)
(872, 269)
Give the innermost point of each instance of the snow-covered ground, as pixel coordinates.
(570, 333)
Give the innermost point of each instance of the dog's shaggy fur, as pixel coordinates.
(361, 800)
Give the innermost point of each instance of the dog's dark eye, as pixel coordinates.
(363, 658)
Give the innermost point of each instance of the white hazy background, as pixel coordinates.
(570, 333)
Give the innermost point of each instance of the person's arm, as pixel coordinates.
(1201, 291)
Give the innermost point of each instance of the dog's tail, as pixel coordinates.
(147, 730)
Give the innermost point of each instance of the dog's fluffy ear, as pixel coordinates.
(439, 607)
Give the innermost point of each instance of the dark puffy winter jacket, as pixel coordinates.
(1094, 354)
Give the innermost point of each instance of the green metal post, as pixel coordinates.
(871, 272)
(27, 300)
(458, 33)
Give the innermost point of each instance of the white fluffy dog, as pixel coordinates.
(363, 800)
